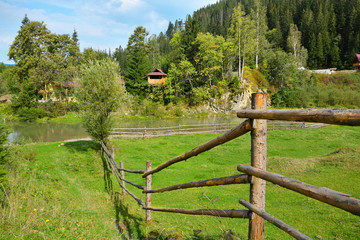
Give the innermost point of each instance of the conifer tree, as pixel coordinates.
(138, 64)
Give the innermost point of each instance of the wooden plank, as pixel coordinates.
(228, 136)
(258, 160)
(334, 198)
(236, 179)
(278, 223)
(209, 212)
(349, 117)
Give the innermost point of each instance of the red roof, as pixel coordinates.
(157, 72)
(357, 58)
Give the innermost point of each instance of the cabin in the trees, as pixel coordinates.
(357, 62)
(157, 77)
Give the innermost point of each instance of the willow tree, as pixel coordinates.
(99, 95)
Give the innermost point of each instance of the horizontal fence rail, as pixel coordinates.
(131, 171)
(209, 212)
(328, 116)
(334, 198)
(228, 136)
(236, 179)
(200, 129)
(278, 223)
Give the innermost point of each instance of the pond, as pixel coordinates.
(55, 132)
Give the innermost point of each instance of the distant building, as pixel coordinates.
(324, 71)
(357, 62)
(157, 77)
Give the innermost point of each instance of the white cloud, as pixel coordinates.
(124, 5)
(156, 22)
(101, 24)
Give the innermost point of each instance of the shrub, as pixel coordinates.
(31, 114)
(4, 132)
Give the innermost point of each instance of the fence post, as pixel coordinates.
(258, 160)
(148, 195)
(122, 175)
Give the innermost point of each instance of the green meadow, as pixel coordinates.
(66, 191)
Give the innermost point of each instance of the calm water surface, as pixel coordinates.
(55, 132)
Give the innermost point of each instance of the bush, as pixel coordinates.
(201, 94)
(31, 114)
(4, 132)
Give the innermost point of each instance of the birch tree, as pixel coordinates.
(259, 16)
(243, 34)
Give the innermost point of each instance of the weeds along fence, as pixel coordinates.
(255, 175)
(200, 129)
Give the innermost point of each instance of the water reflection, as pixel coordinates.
(46, 132)
(54, 132)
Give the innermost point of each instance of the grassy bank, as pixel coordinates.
(59, 192)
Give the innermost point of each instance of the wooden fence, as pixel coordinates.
(200, 129)
(255, 175)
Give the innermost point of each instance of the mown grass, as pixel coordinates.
(327, 157)
(68, 192)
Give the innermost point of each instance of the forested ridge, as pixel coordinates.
(213, 60)
(330, 28)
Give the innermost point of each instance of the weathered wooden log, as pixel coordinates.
(230, 135)
(334, 198)
(148, 195)
(105, 148)
(131, 171)
(258, 160)
(278, 223)
(236, 179)
(329, 116)
(135, 198)
(134, 184)
(209, 212)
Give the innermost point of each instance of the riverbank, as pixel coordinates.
(63, 191)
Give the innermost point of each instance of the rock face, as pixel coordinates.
(228, 102)
(242, 100)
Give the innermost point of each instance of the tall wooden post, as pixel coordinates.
(148, 195)
(122, 175)
(258, 160)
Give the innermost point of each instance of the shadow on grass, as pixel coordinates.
(107, 172)
(130, 224)
(129, 228)
(83, 146)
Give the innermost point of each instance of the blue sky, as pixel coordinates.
(101, 24)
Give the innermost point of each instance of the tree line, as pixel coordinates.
(220, 50)
(329, 29)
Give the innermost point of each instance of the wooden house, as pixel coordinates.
(357, 62)
(157, 77)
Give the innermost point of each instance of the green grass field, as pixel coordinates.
(66, 191)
